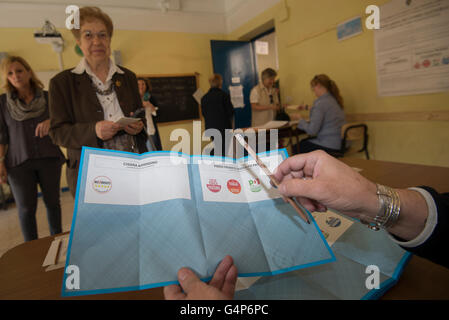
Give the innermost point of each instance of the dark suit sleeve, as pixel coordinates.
(229, 107)
(4, 137)
(434, 249)
(204, 107)
(64, 130)
(141, 137)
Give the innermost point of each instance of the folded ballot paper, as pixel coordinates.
(139, 218)
(367, 264)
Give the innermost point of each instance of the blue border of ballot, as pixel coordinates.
(327, 255)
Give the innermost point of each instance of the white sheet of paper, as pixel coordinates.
(198, 95)
(235, 80)
(126, 121)
(50, 258)
(238, 182)
(273, 125)
(115, 181)
(292, 107)
(412, 55)
(237, 99)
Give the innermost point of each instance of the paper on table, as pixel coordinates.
(126, 121)
(273, 125)
(57, 253)
(332, 225)
(292, 107)
(50, 258)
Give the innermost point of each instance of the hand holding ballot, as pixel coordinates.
(221, 287)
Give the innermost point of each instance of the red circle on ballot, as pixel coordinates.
(213, 186)
(234, 186)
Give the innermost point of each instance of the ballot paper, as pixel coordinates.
(139, 218)
(332, 226)
(357, 249)
(124, 121)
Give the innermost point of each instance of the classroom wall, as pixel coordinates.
(143, 52)
(351, 63)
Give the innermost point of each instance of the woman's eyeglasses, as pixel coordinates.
(88, 35)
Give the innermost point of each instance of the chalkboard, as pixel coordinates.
(173, 95)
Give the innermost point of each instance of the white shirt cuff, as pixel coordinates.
(431, 222)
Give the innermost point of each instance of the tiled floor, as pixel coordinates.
(10, 233)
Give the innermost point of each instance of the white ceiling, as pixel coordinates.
(198, 16)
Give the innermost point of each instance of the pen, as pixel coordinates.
(273, 180)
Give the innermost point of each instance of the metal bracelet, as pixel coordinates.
(390, 208)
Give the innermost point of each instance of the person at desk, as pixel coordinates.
(416, 218)
(27, 155)
(326, 117)
(86, 101)
(217, 111)
(264, 99)
(149, 103)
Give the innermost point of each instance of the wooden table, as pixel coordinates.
(23, 277)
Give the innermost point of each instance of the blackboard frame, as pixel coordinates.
(178, 75)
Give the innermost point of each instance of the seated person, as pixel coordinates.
(326, 117)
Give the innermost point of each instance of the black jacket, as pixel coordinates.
(156, 133)
(434, 249)
(217, 110)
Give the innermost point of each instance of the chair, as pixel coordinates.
(352, 132)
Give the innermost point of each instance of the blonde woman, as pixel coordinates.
(27, 155)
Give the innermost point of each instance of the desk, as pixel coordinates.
(286, 131)
(23, 277)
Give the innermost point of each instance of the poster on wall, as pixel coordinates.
(349, 29)
(412, 47)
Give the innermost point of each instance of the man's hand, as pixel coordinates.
(221, 287)
(105, 130)
(319, 181)
(42, 129)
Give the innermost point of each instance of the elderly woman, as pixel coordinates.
(27, 155)
(85, 102)
(264, 99)
(150, 105)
